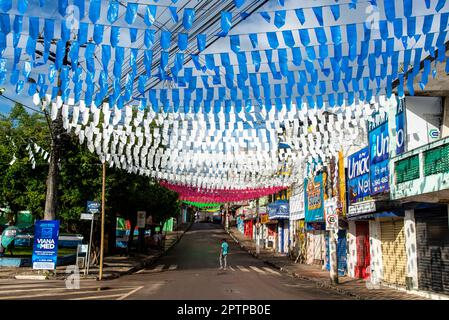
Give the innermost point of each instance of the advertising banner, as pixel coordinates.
(358, 176)
(313, 199)
(379, 144)
(45, 248)
(400, 128)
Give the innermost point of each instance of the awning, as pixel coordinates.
(383, 214)
(278, 210)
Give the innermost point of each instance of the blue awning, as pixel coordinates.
(383, 214)
(279, 209)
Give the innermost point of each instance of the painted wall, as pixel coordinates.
(423, 116)
(410, 246)
(352, 248)
(376, 252)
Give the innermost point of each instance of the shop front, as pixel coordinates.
(314, 219)
(359, 255)
(297, 227)
(279, 211)
(248, 227)
(389, 225)
(432, 238)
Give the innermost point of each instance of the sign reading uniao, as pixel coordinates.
(379, 149)
(45, 248)
(358, 176)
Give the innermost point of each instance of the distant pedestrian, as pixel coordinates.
(224, 250)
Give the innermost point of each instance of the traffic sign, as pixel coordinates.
(88, 216)
(93, 207)
(141, 217)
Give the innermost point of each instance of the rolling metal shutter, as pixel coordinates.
(432, 237)
(394, 257)
(362, 267)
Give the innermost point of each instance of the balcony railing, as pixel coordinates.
(421, 171)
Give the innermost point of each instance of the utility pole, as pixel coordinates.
(257, 228)
(333, 234)
(227, 217)
(56, 132)
(103, 190)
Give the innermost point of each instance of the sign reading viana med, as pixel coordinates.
(45, 248)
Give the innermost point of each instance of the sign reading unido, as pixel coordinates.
(331, 214)
(45, 248)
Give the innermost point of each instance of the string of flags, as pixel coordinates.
(268, 106)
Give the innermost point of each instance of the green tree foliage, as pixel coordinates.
(23, 188)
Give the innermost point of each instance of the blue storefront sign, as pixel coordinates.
(314, 199)
(279, 209)
(358, 176)
(379, 144)
(45, 248)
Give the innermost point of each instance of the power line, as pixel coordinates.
(25, 106)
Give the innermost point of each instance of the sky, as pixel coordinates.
(254, 23)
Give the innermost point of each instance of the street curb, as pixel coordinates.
(320, 283)
(113, 275)
(153, 259)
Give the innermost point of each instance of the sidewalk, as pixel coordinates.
(349, 286)
(113, 267)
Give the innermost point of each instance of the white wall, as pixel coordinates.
(376, 252)
(423, 114)
(410, 245)
(352, 249)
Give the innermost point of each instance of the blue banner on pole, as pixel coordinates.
(359, 176)
(45, 248)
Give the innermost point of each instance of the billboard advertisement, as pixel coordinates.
(379, 147)
(358, 176)
(45, 248)
(314, 199)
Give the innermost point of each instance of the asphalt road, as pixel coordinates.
(189, 271)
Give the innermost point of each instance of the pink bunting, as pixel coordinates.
(189, 193)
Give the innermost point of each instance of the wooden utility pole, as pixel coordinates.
(333, 234)
(103, 190)
(56, 132)
(257, 227)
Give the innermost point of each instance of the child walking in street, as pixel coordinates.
(224, 249)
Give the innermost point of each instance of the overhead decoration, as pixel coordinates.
(221, 102)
